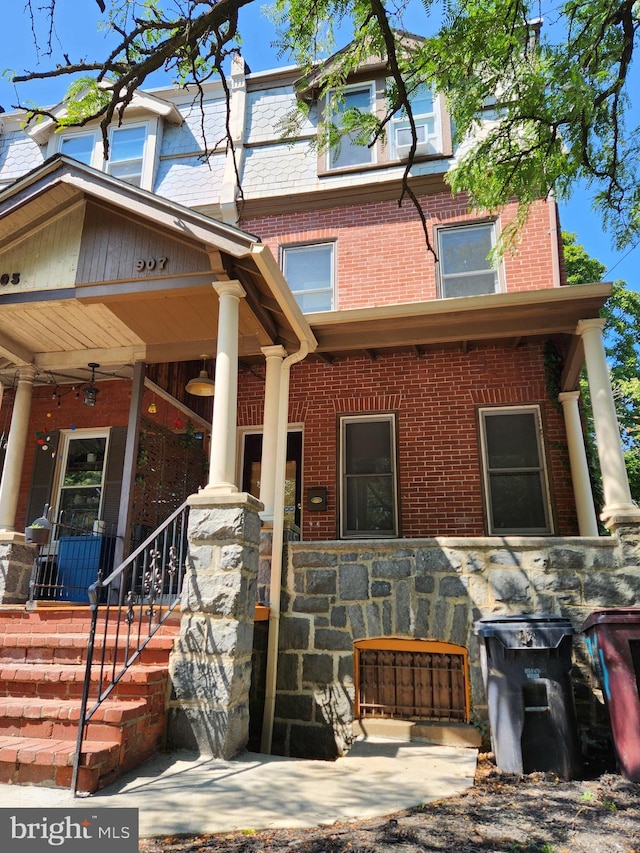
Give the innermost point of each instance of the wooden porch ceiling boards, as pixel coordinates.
(96, 303)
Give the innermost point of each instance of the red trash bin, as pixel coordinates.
(613, 640)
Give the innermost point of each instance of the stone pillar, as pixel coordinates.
(210, 665)
(222, 468)
(274, 356)
(615, 483)
(14, 460)
(587, 521)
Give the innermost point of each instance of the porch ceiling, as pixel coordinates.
(88, 301)
(502, 317)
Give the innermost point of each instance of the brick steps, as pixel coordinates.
(49, 762)
(72, 648)
(42, 672)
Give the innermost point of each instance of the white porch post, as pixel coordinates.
(10, 485)
(615, 483)
(587, 521)
(274, 356)
(223, 431)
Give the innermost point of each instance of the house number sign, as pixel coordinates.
(9, 278)
(151, 264)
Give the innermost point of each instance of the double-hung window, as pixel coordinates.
(127, 148)
(350, 150)
(425, 120)
(368, 493)
(310, 273)
(465, 268)
(515, 479)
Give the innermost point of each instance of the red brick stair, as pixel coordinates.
(42, 656)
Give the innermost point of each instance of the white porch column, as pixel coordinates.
(223, 430)
(274, 356)
(615, 483)
(587, 521)
(18, 431)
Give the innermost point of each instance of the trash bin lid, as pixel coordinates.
(613, 615)
(526, 630)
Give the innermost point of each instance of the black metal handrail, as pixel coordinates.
(128, 607)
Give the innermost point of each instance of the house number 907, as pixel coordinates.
(9, 278)
(151, 264)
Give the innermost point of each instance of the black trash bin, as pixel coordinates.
(526, 666)
(613, 639)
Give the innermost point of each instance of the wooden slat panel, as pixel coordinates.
(411, 685)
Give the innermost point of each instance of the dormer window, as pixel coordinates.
(425, 116)
(126, 154)
(127, 151)
(133, 145)
(349, 152)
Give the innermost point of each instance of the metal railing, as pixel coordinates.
(68, 560)
(127, 609)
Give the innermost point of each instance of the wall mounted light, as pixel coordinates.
(90, 393)
(202, 385)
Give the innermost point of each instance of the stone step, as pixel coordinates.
(427, 731)
(35, 761)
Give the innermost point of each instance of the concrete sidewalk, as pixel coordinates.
(180, 794)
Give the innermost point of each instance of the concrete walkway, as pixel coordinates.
(177, 793)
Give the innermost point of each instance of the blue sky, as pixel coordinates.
(77, 36)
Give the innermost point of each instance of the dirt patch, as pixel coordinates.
(501, 813)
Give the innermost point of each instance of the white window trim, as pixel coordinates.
(432, 143)
(311, 245)
(66, 437)
(150, 151)
(458, 226)
(546, 493)
(344, 420)
(370, 85)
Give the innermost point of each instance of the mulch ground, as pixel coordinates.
(501, 813)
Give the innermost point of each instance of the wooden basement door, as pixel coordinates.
(412, 680)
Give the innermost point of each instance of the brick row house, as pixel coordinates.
(394, 447)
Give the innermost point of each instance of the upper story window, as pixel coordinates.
(349, 151)
(310, 273)
(129, 156)
(465, 268)
(423, 108)
(126, 153)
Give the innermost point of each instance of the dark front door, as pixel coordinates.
(251, 466)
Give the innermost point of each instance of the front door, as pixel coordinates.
(251, 466)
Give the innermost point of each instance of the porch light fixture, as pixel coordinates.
(90, 393)
(202, 385)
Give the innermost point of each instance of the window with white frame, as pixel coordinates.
(368, 488)
(310, 273)
(423, 109)
(127, 152)
(80, 477)
(349, 151)
(465, 268)
(515, 478)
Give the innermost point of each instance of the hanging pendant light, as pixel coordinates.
(202, 385)
(90, 393)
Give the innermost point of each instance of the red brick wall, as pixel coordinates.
(382, 257)
(46, 416)
(436, 399)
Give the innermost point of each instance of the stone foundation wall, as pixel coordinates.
(16, 564)
(337, 592)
